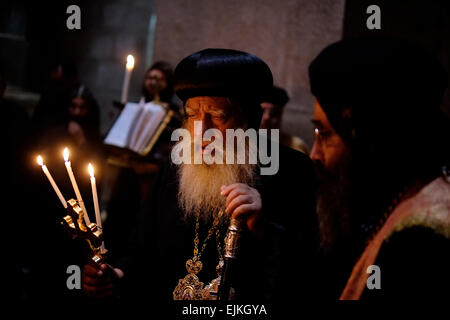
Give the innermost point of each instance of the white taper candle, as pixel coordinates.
(126, 81)
(52, 182)
(98, 217)
(75, 186)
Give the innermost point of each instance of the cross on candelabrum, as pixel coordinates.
(76, 227)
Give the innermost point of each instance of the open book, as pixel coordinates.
(139, 126)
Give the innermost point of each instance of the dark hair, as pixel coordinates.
(278, 96)
(166, 68)
(92, 121)
(227, 73)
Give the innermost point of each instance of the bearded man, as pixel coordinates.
(180, 251)
(381, 154)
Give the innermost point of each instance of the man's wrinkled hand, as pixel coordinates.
(98, 281)
(244, 201)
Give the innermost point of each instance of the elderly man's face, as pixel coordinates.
(199, 184)
(213, 113)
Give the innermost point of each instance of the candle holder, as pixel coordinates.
(75, 226)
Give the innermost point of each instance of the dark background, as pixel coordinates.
(286, 34)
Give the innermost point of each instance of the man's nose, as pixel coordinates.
(316, 152)
(206, 122)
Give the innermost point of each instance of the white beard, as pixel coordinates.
(199, 187)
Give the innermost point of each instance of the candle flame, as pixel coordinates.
(66, 154)
(130, 62)
(91, 170)
(40, 161)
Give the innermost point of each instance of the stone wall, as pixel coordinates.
(286, 34)
(110, 30)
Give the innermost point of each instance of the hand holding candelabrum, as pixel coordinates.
(242, 201)
(77, 224)
(98, 279)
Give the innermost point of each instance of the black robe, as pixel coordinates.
(414, 265)
(165, 239)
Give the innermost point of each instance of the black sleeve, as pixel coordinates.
(288, 198)
(414, 263)
(289, 201)
(134, 261)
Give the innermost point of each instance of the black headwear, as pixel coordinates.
(388, 85)
(278, 96)
(383, 96)
(226, 73)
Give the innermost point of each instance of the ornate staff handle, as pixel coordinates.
(234, 233)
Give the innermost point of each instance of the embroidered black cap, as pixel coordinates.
(225, 73)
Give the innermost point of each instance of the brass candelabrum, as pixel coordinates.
(75, 226)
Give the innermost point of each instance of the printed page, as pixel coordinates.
(150, 119)
(118, 135)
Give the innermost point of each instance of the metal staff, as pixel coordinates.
(231, 250)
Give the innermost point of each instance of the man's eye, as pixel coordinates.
(325, 134)
(322, 134)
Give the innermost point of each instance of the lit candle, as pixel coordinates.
(75, 185)
(96, 205)
(52, 182)
(126, 80)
